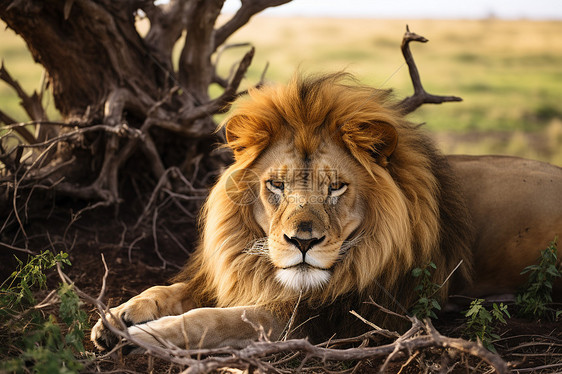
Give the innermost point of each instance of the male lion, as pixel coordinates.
(333, 199)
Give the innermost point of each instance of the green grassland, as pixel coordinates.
(509, 73)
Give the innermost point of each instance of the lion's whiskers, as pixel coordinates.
(258, 247)
(348, 244)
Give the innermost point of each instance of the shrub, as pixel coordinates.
(481, 322)
(36, 341)
(426, 304)
(535, 297)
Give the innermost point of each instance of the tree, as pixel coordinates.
(125, 104)
(120, 95)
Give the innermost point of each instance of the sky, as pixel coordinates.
(464, 9)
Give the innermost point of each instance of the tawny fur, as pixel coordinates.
(401, 208)
(413, 212)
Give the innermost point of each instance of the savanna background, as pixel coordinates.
(507, 70)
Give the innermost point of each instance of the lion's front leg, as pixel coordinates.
(232, 327)
(152, 304)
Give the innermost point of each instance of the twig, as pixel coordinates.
(537, 368)
(223, 82)
(17, 183)
(474, 349)
(248, 9)
(130, 249)
(24, 250)
(377, 328)
(31, 104)
(175, 240)
(448, 277)
(420, 97)
(222, 103)
(155, 239)
(22, 131)
(291, 321)
(104, 279)
(161, 183)
(388, 311)
(410, 359)
(119, 130)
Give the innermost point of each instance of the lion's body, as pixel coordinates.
(516, 207)
(333, 199)
(427, 217)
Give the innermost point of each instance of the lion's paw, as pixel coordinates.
(133, 312)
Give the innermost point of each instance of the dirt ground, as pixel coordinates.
(137, 261)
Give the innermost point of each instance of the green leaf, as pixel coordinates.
(435, 304)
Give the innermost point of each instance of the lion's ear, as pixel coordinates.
(245, 136)
(371, 141)
(386, 140)
(232, 128)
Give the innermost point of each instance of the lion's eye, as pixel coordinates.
(276, 187)
(337, 189)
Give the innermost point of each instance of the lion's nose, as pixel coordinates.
(303, 244)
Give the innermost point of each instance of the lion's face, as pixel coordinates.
(309, 208)
(331, 192)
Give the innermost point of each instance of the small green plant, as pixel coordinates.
(37, 342)
(426, 304)
(481, 322)
(535, 297)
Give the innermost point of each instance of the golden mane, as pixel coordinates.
(414, 214)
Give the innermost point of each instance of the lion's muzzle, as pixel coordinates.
(302, 244)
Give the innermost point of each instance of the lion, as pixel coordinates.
(332, 200)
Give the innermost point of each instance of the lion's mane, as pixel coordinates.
(414, 212)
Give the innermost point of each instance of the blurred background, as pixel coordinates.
(504, 58)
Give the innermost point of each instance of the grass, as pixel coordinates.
(509, 73)
(20, 64)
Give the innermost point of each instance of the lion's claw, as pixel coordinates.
(102, 337)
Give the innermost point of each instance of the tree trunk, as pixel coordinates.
(117, 92)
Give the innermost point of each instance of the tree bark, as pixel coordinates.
(102, 71)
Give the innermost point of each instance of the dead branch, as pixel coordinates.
(31, 104)
(221, 104)
(248, 9)
(420, 97)
(195, 67)
(223, 82)
(431, 338)
(421, 335)
(13, 248)
(167, 22)
(122, 131)
(22, 131)
(104, 279)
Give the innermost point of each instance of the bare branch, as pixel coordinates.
(222, 103)
(104, 279)
(388, 311)
(195, 68)
(31, 104)
(421, 335)
(22, 131)
(24, 250)
(223, 82)
(247, 10)
(420, 97)
(167, 21)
